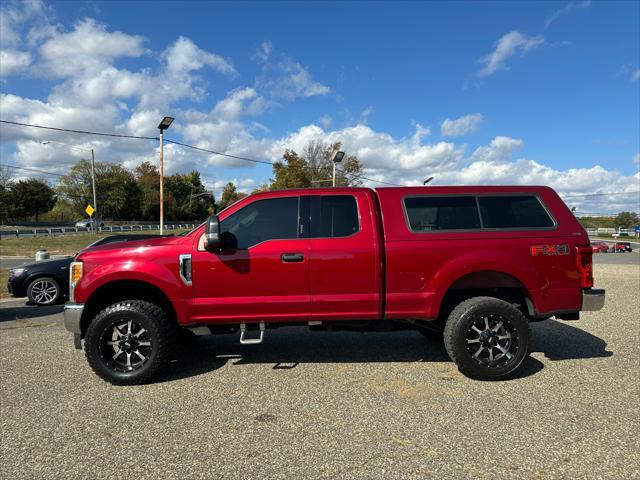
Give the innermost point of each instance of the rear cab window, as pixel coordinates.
(334, 216)
(476, 213)
(513, 211)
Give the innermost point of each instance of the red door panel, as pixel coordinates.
(253, 284)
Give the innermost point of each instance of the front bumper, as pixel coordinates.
(72, 316)
(592, 299)
(15, 287)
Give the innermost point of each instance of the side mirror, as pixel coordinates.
(212, 239)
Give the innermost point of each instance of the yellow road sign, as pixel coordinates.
(89, 210)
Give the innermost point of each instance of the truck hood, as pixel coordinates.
(148, 242)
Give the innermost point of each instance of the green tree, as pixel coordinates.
(187, 198)
(319, 160)
(314, 168)
(118, 194)
(292, 173)
(230, 195)
(62, 211)
(148, 179)
(30, 198)
(626, 220)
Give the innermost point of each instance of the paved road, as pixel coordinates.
(328, 405)
(626, 258)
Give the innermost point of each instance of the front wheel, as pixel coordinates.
(44, 291)
(487, 338)
(129, 342)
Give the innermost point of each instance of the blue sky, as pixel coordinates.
(470, 92)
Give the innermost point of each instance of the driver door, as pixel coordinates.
(261, 273)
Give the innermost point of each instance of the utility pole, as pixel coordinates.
(93, 186)
(164, 124)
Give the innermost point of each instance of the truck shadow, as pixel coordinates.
(286, 348)
(562, 341)
(22, 311)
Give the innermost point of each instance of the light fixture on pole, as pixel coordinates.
(427, 180)
(93, 179)
(337, 158)
(164, 124)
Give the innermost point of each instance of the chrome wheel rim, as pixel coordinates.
(492, 341)
(125, 346)
(44, 291)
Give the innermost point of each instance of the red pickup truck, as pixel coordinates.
(478, 263)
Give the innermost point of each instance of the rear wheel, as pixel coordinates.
(487, 338)
(44, 291)
(129, 343)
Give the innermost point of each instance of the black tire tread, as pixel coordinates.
(457, 313)
(164, 344)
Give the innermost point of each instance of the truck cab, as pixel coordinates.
(474, 264)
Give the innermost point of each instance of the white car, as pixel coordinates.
(86, 223)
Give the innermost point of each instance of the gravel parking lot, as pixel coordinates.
(329, 405)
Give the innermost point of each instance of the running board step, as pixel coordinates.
(251, 341)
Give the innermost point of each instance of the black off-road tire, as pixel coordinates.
(160, 332)
(41, 291)
(460, 322)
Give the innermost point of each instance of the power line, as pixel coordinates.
(37, 170)
(266, 162)
(85, 132)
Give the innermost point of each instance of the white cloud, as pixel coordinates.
(510, 44)
(636, 74)
(326, 121)
(295, 82)
(240, 102)
(284, 78)
(87, 49)
(14, 18)
(460, 126)
(500, 149)
(366, 113)
(184, 56)
(264, 51)
(636, 159)
(566, 9)
(13, 61)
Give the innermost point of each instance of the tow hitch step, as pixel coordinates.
(251, 341)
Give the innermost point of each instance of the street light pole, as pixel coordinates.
(161, 184)
(337, 158)
(164, 124)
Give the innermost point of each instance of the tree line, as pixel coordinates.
(134, 194)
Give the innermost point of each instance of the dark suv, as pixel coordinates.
(47, 282)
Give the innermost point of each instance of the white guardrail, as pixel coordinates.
(608, 232)
(58, 231)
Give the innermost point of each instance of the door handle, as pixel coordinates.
(292, 257)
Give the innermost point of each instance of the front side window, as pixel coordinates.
(513, 211)
(334, 216)
(269, 219)
(427, 214)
